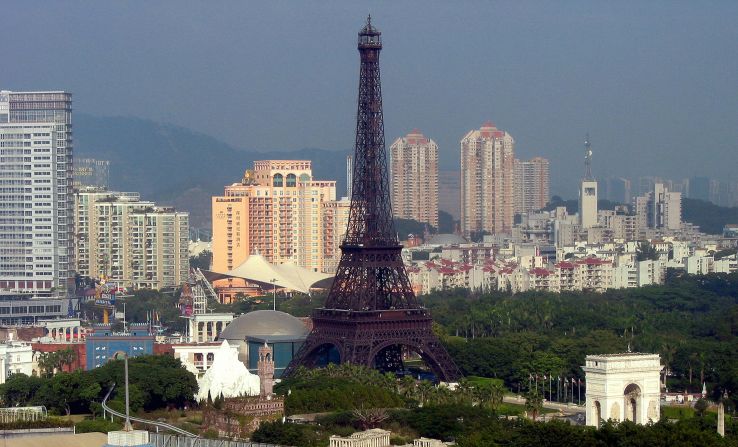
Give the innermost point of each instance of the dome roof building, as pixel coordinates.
(281, 331)
(265, 325)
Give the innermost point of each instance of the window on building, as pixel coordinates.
(278, 180)
(291, 180)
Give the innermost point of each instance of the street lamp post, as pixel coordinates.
(274, 292)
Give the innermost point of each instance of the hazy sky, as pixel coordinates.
(654, 82)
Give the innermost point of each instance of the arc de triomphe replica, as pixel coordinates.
(623, 387)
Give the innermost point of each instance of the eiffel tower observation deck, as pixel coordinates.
(372, 316)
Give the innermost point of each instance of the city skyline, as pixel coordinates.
(302, 301)
(554, 73)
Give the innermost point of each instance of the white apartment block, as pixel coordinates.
(665, 208)
(16, 357)
(413, 161)
(658, 209)
(129, 241)
(36, 224)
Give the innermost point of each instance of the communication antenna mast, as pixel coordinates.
(587, 158)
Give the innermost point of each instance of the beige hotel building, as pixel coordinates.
(277, 211)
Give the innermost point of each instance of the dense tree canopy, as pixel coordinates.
(202, 260)
(156, 382)
(51, 362)
(147, 303)
(692, 322)
(709, 217)
(335, 388)
(478, 427)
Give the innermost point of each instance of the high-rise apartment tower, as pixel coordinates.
(531, 184)
(414, 178)
(129, 241)
(36, 222)
(487, 179)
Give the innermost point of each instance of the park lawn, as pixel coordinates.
(483, 380)
(75, 417)
(681, 412)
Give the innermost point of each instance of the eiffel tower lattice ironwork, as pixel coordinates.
(371, 312)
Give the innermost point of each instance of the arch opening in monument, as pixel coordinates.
(632, 395)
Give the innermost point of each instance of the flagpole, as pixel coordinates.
(572, 390)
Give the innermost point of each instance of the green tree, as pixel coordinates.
(68, 392)
(144, 303)
(494, 392)
(425, 390)
(533, 404)
(202, 260)
(136, 399)
(162, 379)
(19, 389)
(51, 362)
(286, 434)
(646, 252)
(701, 406)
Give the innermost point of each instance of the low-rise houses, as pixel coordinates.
(519, 267)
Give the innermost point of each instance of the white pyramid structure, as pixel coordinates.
(227, 375)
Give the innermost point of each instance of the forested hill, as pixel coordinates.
(176, 166)
(711, 218)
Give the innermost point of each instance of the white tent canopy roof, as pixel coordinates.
(288, 276)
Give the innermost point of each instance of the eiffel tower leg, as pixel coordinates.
(438, 359)
(357, 353)
(309, 352)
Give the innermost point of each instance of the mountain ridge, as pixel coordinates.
(173, 165)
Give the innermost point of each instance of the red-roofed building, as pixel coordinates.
(541, 279)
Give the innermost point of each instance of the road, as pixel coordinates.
(568, 409)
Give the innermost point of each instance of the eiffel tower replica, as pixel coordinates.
(371, 312)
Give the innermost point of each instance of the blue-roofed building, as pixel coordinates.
(103, 344)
